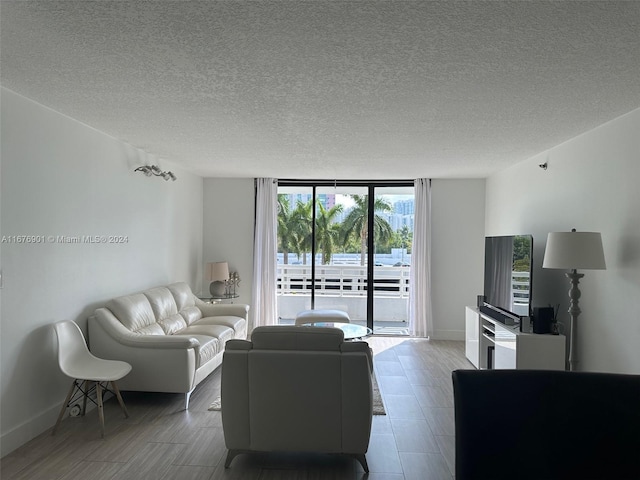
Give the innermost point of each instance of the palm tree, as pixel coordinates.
(327, 231)
(406, 238)
(286, 228)
(356, 223)
(294, 228)
(302, 229)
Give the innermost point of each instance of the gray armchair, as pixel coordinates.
(299, 390)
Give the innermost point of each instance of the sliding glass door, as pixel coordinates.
(393, 234)
(346, 246)
(341, 267)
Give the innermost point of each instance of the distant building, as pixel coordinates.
(404, 207)
(326, 200)
(397, 221)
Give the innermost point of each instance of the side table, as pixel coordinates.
(218, 299)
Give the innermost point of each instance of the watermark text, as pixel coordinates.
(64, 239)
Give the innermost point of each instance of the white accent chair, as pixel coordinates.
(298, 390)
(78, 363)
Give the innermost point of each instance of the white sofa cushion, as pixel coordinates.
(162, 302)
(182, 295)
(136, 314)
(173, 324)
(185, 302)
(221, 332)
(191, 314)
(235, 323)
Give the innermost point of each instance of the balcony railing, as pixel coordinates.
(345, 287)
(520, 292)
(343, 280)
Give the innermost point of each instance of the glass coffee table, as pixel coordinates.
(352, 331)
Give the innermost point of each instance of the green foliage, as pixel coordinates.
(522, 265)
(327, 231)
(356, 223)
(521, 254)
(403, 238)
(350, 236)
(294, 228)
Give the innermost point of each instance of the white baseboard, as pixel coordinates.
(21, 434)
(27, 431)
(448, 335)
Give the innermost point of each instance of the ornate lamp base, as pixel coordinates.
(574, 311)
(217, 289)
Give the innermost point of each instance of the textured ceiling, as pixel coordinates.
(329, 89)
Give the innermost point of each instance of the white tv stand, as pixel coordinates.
(490, 344)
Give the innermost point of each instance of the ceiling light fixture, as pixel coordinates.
(154, 170)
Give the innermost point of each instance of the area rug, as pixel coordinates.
(378, 406)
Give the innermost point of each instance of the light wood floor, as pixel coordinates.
(415, 440)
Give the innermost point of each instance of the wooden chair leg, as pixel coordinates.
(64, 407)
(100, 407)
(120, 401)
(84, 397)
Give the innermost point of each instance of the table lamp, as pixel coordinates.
(218, 274)
(574, 250)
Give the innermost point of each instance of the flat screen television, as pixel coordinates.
(508, 272)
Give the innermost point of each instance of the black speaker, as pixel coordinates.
(542, 319)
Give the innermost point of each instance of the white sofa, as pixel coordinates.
(172, 339)
(298, 389)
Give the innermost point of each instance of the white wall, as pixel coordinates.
(62, 178)
(457, 252)
(229, 205)
(591, 184)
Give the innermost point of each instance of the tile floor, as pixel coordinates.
(415, 440)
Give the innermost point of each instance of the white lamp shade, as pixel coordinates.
(218, 271)
(574, 250)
